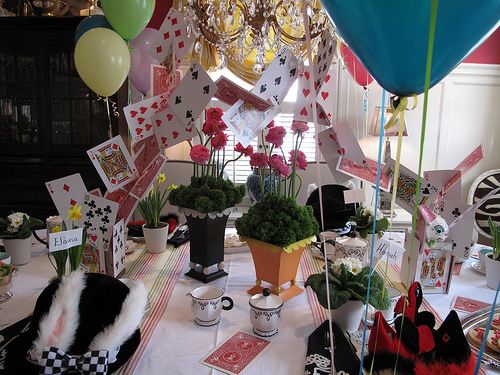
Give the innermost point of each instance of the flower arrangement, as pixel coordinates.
(18, 225)
(348, 280)
(209, 191)
(277, 218)
(495, 235)
(364, 221)
(153, 203)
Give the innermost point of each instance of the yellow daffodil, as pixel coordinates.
(172, 187)
(56, 229)
(161, 178)
(75, 212)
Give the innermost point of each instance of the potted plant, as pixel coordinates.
(348, 286)
(16, 231)
(493, 259)
(364, 222)
(208, 201)
(150, 207)
(6, 272)
(276, 228)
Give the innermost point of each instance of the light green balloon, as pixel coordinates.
(102, 60)
(128, 17)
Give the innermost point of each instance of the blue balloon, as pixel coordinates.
(90, 23)
(390, 37)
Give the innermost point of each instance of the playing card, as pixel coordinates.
(303, 102)
(127, 203)
(172, 37)
(138, 115)
(112, 161)
(147, 154)
(96, 192)
(349, 146)
(192, 94)
(325, 96)
(329, 147)
(464, 166)
(323, 58)
(99, 215)
(278, 77)
(115, 259)
(235, 354)
(142, 185)
(229, 92)
(92, 255)
(434, 265)
(162, 82)
(170, 130)
(246, 121)
(467, 305)
(366, 171)
(65, 193)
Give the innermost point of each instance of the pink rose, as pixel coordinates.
(284, 170)
(199, 154)
(212, 127)
(299, 126)
(247, 151)
(276, 135)
(301, 160)
(278, 164)
(214, 113)
(259, 160)
(219, 141)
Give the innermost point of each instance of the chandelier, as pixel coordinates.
(255, 29)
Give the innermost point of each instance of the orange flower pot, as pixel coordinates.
(276, 265)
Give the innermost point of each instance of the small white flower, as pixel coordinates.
(12, 229)
(353, 265)
(369, 211)
(16, 219)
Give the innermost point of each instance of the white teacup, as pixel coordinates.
(394, 296)
(207, 304)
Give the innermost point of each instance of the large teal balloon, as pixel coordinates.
(128, 17)
(390, 37)
(89, 23)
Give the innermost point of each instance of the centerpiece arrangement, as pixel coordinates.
(493, 260)
(276, 228)
(16, 231)
(348, 286)
(209, 200)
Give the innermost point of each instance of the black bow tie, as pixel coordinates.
(55, 361)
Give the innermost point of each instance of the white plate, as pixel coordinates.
(476, 266)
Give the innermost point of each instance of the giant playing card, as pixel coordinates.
(67, 192)
(112, 161)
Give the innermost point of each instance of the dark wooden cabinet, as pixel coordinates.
(48, 116)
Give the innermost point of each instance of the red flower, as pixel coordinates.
(276, 135)
(299, 126)
(270, 125)
(212, 127)
(247, 151)
(301, 160)
(284, 170)
(199, 154)
(278, 164)
(259, 160)
(219, 141)
(214, 113)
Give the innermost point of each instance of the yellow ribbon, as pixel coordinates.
(398, 110)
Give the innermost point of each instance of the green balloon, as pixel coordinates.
(128, 17)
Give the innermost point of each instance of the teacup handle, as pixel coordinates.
(231, 303)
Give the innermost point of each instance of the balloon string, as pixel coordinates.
(399, 109)
(428, 68)
(374, 226)
(318, 178)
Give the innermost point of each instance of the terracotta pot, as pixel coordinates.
(276, 265)
(19, 250)
(156, 238)
(348, 316)
(492, 272)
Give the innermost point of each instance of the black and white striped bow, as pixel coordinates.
(55, 361)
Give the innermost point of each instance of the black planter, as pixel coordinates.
(206, 236)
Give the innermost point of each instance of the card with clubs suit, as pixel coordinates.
(172, 38)
(192, 94)
(115, 258)
(99, 215)
(112, 161)
(278, 77)
(65, 193)
(138, 115)
(170, 130)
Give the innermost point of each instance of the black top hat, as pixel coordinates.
(79, 314)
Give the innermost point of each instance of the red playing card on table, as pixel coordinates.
(467, 305)
(235, 354)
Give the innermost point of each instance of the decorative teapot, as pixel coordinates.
(351, 246)
(265, 313)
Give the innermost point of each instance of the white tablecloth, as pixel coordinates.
(178, 344)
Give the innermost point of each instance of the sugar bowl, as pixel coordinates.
(265, 313)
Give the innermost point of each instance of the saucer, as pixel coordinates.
(208, 323)
(476, 266)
